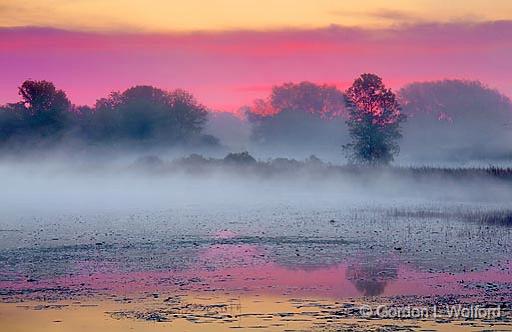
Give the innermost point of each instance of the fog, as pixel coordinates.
(449, 123)
(455, 121)
(35, 186)
(294, 138)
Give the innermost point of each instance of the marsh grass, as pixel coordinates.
(490, 217)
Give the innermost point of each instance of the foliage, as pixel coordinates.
(141, 114)
(455, 101)
(297, 114)
(43, 112)
(11, 123)
(374, 119)
(240, 158)
(456, 120)
(145, 113)
(323, 100)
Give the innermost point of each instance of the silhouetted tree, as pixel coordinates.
(42, 112)
(46, 107)
(146, 113)
(374, 121)
(141, 114)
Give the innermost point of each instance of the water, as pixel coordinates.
(339, 251)
(289, 256)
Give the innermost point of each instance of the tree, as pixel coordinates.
(42, 97)
(11, 121)
(46, 107)
(374, 119)
(241, 158)
(43, 112)
(148, 114)
(323, 100)
(298, 115)
(139, 114)
(455, 120)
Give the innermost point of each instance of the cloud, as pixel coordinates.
(223, 15)
(219, 66)
(395, 17)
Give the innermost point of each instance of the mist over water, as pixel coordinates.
(130, 183)
(120, 224)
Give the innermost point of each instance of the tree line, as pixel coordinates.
(449, 120)
(141, 114)
(367, 119)
(369, 109)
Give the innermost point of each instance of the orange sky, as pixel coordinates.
(215, 15)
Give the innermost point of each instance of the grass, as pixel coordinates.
(493, 217)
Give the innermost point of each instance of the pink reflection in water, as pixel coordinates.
(334, 282)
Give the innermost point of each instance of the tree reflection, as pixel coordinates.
(370, 275)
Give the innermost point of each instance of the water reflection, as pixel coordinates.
(371, 275)
(232, 262)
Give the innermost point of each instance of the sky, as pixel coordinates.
(230, 52)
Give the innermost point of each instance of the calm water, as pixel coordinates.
(308, 247)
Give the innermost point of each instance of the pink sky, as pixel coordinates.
(226, 70)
